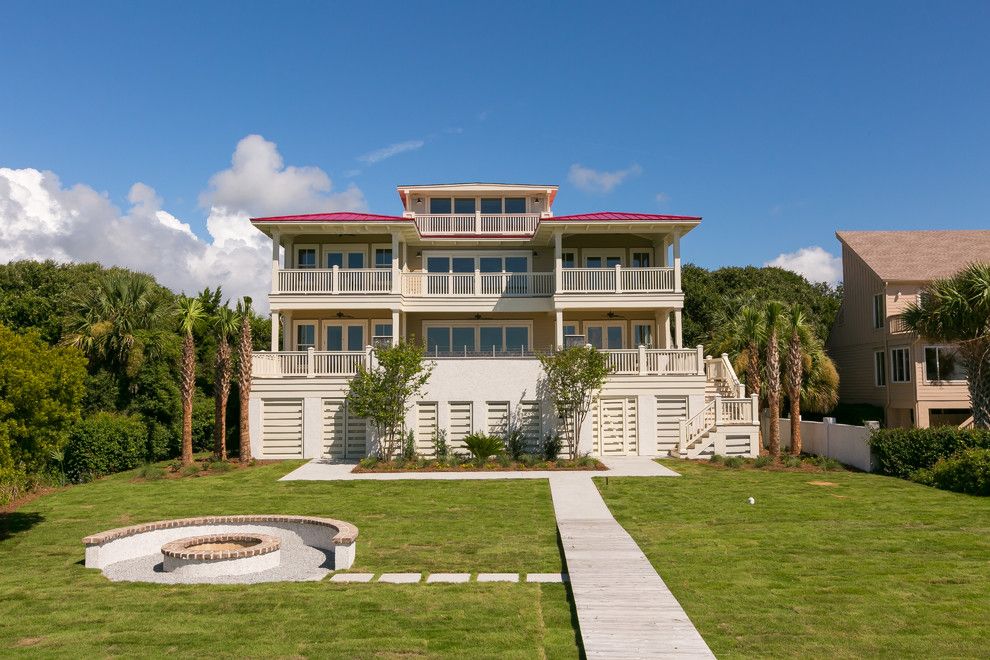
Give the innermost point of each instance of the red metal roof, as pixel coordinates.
(612, 215)
(345, 216)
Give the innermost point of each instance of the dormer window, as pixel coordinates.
(440, 206)
(515, 205)
(491, 205)
(464, 205)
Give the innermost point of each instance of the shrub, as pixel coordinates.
(409, 446)
(735, 462)
(440, 448)
(219, 466)
(529, 460)
(151, 472)
(14, 483)
(504, 460)
(368, 462)
(483, 446)
(824, 462)
(716, 458)
(189, 470)
(515, 443)
(763, 461)
(791, 461)
(552, 444)
(900, 452)
(103, 444)
(966, 472)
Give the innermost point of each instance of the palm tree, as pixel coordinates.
(800, 336)
(190, 313)
(244, 351)
(121, 322)
(773, 314)
(957, 309)
(225, 324)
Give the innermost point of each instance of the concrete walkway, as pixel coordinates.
(320, 469)
(624, 608)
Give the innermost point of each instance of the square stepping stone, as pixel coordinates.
(400, 578)
(448, 577)
(498, 577)
(352, 577)
(546, 577)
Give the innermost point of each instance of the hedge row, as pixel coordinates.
(103, 444)
(900, 452)
(966, 472)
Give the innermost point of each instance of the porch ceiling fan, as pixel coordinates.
(479, 317)
(341, 315)
(612, 315)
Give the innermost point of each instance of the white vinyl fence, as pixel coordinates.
(850, 445)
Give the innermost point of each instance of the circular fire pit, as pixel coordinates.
(221, 554)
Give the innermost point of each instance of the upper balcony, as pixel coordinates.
(500, 225)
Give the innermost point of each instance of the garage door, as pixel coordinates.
(614, 425)
(345, 436)
(281, 428)
(670, 411)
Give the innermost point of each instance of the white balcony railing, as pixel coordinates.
(616, 280)
(335, 280)
(657, 361)
(477, 284)
(522, 224)
(307, 364)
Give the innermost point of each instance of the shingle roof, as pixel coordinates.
(612, 215)
(346, 216)
(918, 256)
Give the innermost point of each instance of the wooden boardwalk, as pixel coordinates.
(624, 608)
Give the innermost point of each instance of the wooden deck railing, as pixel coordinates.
(480, 224)
(616, 280)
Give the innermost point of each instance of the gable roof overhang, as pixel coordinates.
(917, 256)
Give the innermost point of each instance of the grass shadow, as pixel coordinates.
(15, 522)
(571, 605)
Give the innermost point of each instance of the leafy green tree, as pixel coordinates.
(120, 321)
(41, 390)
(957, 309)
(190, 316)
(36, 295)
(383, 393)
(572, 377)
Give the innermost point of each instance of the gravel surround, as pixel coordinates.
(294, 548)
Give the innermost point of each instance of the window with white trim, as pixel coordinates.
(942, 363)
(879, 311)
(880, 369)
(642, 334)
(900, 365)
(306, 257)
(640, 259)
(305, 336)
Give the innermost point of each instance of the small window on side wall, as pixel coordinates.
(900, 365)
(879, 311)
(880, 369)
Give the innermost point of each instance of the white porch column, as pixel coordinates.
(395, 327)
(558, 250)
(290, 259)
(677, 264)
(559, 328)
(276, 238)
(665, 328)
(395, 269)
(274, 332)
(678, 332)
(287, 331)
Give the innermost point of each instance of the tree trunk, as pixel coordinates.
(244, 352)
(188, 388)
(773, 392)
(976, 358)
(753, 385)
(796, 425)
(222, 395)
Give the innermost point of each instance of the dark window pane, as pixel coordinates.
(595, 336)
(614, 336)
(383, 257)
(335, 259)
(306, 258)
(644, 335)
(383, 329)
(355, 260)
(612, 262)
(516, 264)
(570, 330)
(641, 260)
(516, 339)
(491, 338)
(464, 205)
(335, 338)
(567, 260)
(355, 338)
(463, 264)
(592, 262)
(931, 364)
(438, 339)
(515, 204)
(438, 265)
(491, 264)
(463, 339)
(491, 205)
(440, 205)
(305, 337)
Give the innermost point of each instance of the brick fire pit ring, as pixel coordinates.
(223, 554)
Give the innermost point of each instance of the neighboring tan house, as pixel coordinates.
(485, 276)
(916, 381)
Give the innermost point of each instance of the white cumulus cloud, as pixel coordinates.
(384, 153)
(814, 263)
(598, 181)
(42, 219)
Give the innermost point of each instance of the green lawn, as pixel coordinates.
(870, 567)
(51, 605)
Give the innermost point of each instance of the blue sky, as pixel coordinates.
(777, 122)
